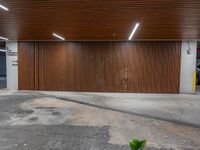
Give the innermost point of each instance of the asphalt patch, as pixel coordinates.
(22, 111)
(33, 119)
(55, 113)
(45, 107)
(58, 137)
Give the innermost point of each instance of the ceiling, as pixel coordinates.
(100, 19)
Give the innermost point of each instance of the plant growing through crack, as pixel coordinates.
(136, 144)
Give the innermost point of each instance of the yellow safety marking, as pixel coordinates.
(194, 82)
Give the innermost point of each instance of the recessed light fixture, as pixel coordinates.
(58, 36)
(3, 38)
(4, 8)
(133, 32)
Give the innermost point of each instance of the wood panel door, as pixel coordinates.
(141, 67)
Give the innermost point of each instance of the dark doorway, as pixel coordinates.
(2, 66)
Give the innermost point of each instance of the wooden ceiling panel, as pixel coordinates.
(100, 19)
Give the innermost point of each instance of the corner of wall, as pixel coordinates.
(188, 66)
(12, 65)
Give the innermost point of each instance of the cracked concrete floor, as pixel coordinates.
(36, 121)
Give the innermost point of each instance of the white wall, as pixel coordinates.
(12, 65)
(188, 66)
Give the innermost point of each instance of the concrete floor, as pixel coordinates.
(97, 121)
(177, 108)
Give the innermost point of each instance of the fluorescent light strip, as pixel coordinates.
(133, 32)
(58, 36)
(2, 50)
(3, 38)
(3, 7)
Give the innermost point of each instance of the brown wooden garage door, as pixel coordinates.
(146, 67)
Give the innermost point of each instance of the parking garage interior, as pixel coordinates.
(95, 74)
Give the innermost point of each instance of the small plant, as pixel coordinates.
(136, 144)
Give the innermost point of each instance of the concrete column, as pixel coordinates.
(188, 66)
(12, 65)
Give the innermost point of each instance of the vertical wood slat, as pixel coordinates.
(40, 66)
(26, 59)
(145, 67)
(36, 67)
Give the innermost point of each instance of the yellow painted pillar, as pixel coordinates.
(194, 82)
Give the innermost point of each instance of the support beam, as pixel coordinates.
(12, 65)
(188, 66)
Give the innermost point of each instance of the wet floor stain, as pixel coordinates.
(22, 111)
(33, 119)
(38, 111)
(55, 113)
(49, 108)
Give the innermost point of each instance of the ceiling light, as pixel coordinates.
(2, 50)
(134, 29)
(3, 7)
(58, 36)
(3, 38)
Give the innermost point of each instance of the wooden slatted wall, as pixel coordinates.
(141, 67)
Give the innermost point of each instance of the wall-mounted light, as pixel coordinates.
(4, 8)
(133, 32)
(3, 38)
(58, 36)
